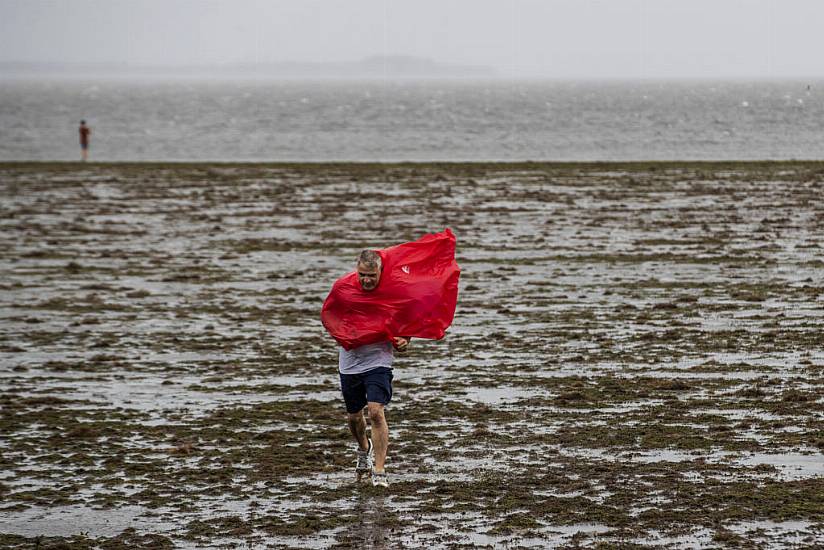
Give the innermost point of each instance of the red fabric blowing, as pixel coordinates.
(416, 295)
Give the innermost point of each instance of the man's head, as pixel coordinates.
(369, 269)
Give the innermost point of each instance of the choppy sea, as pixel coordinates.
(413, 120)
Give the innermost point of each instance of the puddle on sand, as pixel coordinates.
(699, 539)
(548, 536)
(65, 521)
(792, 466)
(498, 396)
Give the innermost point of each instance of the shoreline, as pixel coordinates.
(414, 164)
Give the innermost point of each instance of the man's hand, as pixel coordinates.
(400, 343)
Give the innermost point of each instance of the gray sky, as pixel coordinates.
(547, 38)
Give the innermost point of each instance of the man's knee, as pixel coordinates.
(376, 413)
(355, 417)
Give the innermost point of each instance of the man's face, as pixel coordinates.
(368, 277)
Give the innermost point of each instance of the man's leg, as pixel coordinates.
(380, 433)
(357, 425)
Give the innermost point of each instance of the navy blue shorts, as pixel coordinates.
(374, 386)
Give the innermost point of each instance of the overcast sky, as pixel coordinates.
(544, 38)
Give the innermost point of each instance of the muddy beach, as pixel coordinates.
(637, 357)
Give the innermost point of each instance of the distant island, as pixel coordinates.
(391, 66)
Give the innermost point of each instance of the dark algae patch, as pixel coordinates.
(636, 359)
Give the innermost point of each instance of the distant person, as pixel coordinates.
(85, 133)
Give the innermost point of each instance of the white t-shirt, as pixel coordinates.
(368, 357)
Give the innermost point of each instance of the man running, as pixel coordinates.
(85, 133)
(366, 382)
(410, 289)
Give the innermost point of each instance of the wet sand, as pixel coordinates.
(637, 357)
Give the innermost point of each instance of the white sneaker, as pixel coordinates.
(380, 479)
(364, 463)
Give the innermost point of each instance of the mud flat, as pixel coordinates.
(637, 358)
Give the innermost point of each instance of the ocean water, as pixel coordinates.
(416, 121)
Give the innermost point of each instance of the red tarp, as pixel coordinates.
(416, 295)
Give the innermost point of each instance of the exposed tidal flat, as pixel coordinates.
(637, 358)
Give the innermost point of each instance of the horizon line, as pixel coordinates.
(411, 67)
